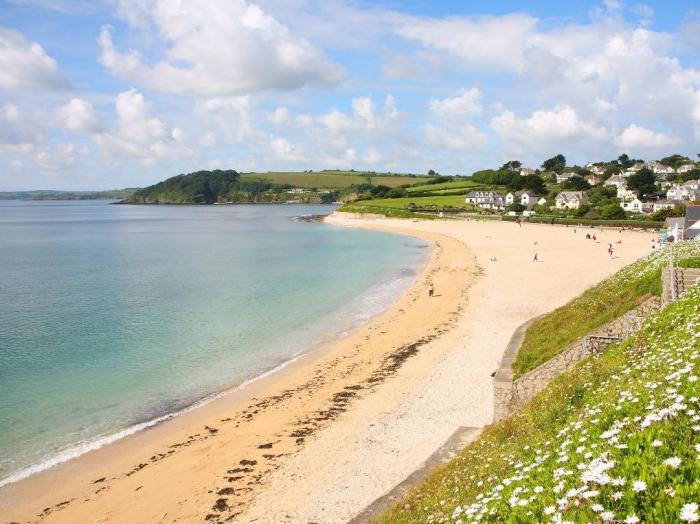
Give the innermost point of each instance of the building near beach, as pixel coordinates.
(570, 199)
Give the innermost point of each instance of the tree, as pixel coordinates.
(582, 210)
(512, 165)
(576, 183)
(517, 207)
(663, 214)
(674, 161)
(642, 182)
(532, 183)
(556, 163)
(612, 212)
(432, 173)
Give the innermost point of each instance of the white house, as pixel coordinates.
(617, 181)
(592, 180)
(477, 197)
(526, 198)
(660, 169)
(692, 184)
(525, 171)
(486, 199)
(570, 199)
(563, 177)
(662, 204)
(636, 206)
(685, 168)
(596, 170)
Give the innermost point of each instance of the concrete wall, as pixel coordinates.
(511, 394)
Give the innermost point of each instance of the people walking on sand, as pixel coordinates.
(431, 288)
(535, 258)
(594, 239)
(611, 252)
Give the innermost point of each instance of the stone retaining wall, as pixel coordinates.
(684, 278)
(510, 394)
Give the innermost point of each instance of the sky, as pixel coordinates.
(100, 94)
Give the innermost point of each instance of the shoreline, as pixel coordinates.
(18, 501)
(313, 350)
(322, 440)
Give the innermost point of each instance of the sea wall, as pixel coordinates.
(511, 394)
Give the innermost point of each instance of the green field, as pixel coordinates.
(446, 186)
(402, 203)
(336, 179)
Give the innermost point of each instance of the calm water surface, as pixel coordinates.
(112, 316)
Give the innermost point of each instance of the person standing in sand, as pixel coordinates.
(535, 258)
(431, 288)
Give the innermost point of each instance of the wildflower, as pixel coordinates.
(639, 485)
(617, 495)
(607, 516)
(597, 508)
(673, 462)
(657, 443)
(632, 519)
(689, 512)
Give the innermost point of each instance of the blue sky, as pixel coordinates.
(116, 93)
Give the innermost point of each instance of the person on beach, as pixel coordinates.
(431, 289)
(535, 258)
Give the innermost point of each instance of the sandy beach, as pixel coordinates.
(322, 439)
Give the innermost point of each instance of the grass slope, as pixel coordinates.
(552, 333)
(335, 179)
(616, 439)
(402, 203)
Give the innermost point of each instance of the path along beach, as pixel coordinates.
(322, 439)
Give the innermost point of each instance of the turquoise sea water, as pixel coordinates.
(112, 316)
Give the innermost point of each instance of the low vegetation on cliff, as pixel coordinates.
(616, 439)
(550, 334)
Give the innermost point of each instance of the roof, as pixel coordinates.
(572, 195)
(672, 221)
(692, 214)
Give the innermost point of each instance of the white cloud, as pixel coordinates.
(79, 115)
(491, 42)
(231, 116)
(636, 137)
(25, 64)
(18, 132)
(282, 150)
(219, 47)
(463, 136)
(544, 130)
(138, 134)
(467, 104)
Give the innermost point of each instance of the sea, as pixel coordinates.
(114, 318)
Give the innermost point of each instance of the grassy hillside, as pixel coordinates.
(465, 185)
(552, 333)
(335, 179)
(403, 203)
(616, 439)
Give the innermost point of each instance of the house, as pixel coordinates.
(563, 177)
(660, 169)
(570, 199)
(692, 223)
(525, 171)
(638, 166)
(596, 170)
(689, 190)
(592, 180)
(673, 222)
(663, 204)
(486, 199)
(525, 198)
(616, 180)
(477, 197)
(685, 168)
(636, 206)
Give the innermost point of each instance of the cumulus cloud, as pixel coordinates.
(465, 105)
(18, 134)
(140, 135)
(25, 64)
(79, 115)
(636, 137)
(543, 130)
(218, 47)
(464, 137)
